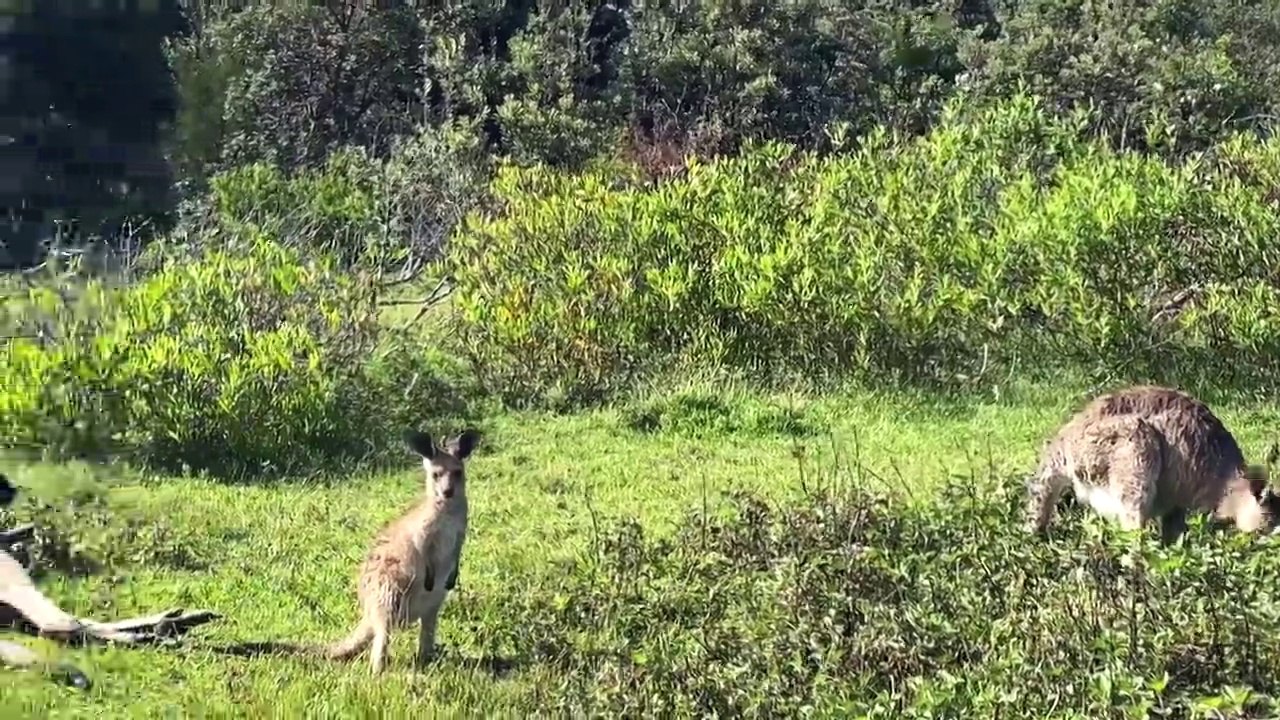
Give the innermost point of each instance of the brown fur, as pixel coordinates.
(1151, 452)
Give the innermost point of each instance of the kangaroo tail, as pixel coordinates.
(352, 645)
(345, 649)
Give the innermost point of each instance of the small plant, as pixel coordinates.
(693, 413)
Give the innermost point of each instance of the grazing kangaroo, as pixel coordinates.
(414, 560)
(1151, 452)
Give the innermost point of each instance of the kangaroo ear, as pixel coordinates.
(461, 446)
(421, 443)
(1273, 454)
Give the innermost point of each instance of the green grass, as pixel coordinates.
(278, 560)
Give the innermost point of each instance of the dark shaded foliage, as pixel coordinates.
(562, 84)
(89, 91)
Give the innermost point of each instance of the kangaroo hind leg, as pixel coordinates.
(1173, 525)
(1135, 467)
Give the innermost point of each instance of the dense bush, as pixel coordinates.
(999, 237)
(555, 85)
(561, 84)
(1167, 75)
(231, 362)
(290, 83)
(378, 214)
(842, 605)
(88, 94)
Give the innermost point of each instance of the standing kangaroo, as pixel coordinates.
(414, 560)
(1151, 452)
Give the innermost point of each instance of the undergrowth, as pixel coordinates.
(79, 532)
(999, 244)
(840, 605)
(251, 361)
(701, 412)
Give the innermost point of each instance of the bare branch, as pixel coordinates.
(428, 302)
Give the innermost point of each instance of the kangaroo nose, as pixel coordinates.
(448, 491)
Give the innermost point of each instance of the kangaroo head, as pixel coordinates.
(445, 465)
(1268, 500)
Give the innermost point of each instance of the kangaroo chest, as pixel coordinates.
(440, 555)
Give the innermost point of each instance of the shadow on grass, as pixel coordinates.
(497, 666)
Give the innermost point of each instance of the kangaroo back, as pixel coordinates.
(1114, 465)
(1200, 466)
(1203, 461)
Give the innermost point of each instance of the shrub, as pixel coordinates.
(1164, 75)
(843, 605)
(287, 85)
(79, 532)
(723, 73)
(232, 362)
(562, 105)
(335, 207)
(998, 236)
(369, 213)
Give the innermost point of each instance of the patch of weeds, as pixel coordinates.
(773, 420)
(80, 534)
(842, 604)
(702, 413)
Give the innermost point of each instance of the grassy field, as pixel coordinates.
(277, 560)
